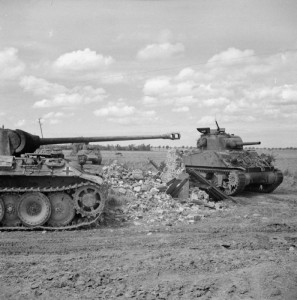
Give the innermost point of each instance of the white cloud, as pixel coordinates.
(181, 109)
(186, 100)
(82, 60)
(161, 51)
(236, 85)
(60, 96)
(124, 114)
(206, 121)
(20, 123)
(55, 117)
(40, 86)
(186, 74)
(11, 67)
(115, 111)
(220, 101)
(150, 101)
(156, 86)
(232, 56)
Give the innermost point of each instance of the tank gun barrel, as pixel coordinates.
(236, 143)
(17, 142)
(250, 143)
(67, 140)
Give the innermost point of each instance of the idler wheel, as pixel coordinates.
(11, 217)
(62, 209)
(88, 200)
(2, 209)
(34, 209)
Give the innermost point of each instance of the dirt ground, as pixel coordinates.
(246, 252)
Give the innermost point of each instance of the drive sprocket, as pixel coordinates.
(89, 200)
(235, 183)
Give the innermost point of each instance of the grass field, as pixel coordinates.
(133, 157)
(285, 160)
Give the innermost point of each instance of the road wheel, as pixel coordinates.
(11, 217)
(34, 209)
(62, 209)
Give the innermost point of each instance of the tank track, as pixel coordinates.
(214, 170)
(241, 178)
(86, 224)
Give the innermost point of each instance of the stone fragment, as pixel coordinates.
(137, 188)
(137, 174)
(154, 191)
(122, 191)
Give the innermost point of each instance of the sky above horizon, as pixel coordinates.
(131, 67)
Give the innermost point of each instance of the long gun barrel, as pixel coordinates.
(67, 140)
(16, 142)
(235, 143)
(250, 143)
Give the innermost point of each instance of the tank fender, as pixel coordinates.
(96, 179)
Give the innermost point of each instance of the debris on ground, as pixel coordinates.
(142, 196)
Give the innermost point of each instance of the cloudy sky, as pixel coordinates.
(122, 67)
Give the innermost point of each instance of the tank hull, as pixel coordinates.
(48, 193)
(236, 171)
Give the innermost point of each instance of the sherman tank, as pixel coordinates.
(222, 160)
(43, 190)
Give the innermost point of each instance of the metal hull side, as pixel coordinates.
(35, 182)
(204, 159)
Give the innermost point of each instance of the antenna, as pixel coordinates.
(40, 125)
(218, 126)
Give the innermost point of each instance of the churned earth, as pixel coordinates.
(248, 251)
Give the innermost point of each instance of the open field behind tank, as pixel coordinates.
(285, 160)
(246, 251)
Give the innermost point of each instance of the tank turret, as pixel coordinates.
(218, 139)
(223, 161)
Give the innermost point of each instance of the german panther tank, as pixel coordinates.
(222, 160)
(43, 190)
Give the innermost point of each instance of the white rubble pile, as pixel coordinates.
(174, 165)
(140, 196)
